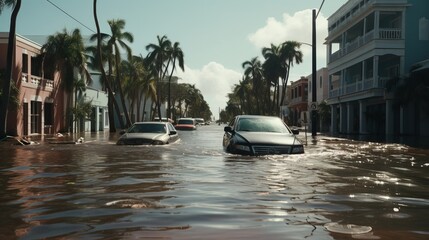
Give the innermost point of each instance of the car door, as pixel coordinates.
(227, 136)
(174, 136)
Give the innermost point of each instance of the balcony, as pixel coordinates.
(37, 82)
(383, 34)
(359, 86)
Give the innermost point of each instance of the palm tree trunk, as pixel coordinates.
(4, 103)
(111, 99)
(121, 95)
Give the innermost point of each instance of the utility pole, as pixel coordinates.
(313, 80)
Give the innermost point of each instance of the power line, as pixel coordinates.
(53, 4)
(321, 5)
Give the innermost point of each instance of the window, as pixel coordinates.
(36, 123)
(24, 63)
(320, 82)
(36, 67)
(49, 113)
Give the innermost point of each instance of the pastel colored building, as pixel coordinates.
(369, 43)
(41, 99)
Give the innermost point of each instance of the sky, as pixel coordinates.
(216, 36)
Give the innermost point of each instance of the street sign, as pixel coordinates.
(313, 106)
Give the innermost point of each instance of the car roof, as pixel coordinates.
(151, 122)
(255, 116)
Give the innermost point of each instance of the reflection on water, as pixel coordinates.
(193, 190)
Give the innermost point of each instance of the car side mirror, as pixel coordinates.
(122, 132)
(173, 132)
(295, 131)
(227, 129)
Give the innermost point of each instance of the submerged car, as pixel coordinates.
(149, 133)
(260, 135)
(186, 124)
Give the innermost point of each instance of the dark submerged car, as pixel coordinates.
(149, 133)
(260, 135)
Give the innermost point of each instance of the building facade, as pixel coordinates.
(41, 100)
(298, 102)
(322, 94)
(369, 43)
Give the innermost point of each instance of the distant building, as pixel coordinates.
(298, 102)
(322, 93)
(369, 43)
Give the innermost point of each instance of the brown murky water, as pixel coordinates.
(193, 190)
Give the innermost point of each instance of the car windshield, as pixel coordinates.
(186, 121)
(262, 125)
(148, 128)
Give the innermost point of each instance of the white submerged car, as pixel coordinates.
(149, 133)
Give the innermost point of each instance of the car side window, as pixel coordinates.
(171, 127)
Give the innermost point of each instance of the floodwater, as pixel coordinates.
(193, 190)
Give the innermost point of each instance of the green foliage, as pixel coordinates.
(14, 92)
(260, 91)
(82, 110)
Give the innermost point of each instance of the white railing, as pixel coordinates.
(358, 86)
(24, 77)
(37, 82)
(392, 33)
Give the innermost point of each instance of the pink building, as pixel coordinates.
(41, 107)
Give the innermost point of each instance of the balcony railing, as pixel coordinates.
(384, 34)
(393, 33)
(358, 86)
(37, 82)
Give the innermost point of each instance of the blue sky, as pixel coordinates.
(216, 36)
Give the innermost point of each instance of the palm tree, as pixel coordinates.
(273, 69)
(95, 62)
(175, 54)
(64, 52)
(116, 41)
(253, 70)
(289, 53)
(4, 102)
(158, 54)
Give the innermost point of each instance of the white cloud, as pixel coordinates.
(214, 81)
(296, 27)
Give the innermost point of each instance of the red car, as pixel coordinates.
(186, 124)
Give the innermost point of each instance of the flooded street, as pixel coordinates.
(193, 190)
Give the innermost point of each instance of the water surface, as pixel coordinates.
(193, 190)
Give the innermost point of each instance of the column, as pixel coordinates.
(362, 117)
(375, 72)
(349, 118)
(389, 118)
(97, 118)
(334, 115)
(343, 123)
(376, 25)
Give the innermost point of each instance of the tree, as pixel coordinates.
(289, 53)
(64, 52)
(4, 102)
(116, 40)
(253, 70)
(101, 67)
(175, 54)
(96, 62)
(273, 69)
(158, 54)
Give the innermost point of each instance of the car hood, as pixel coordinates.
(259, 138)
(152, 136)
